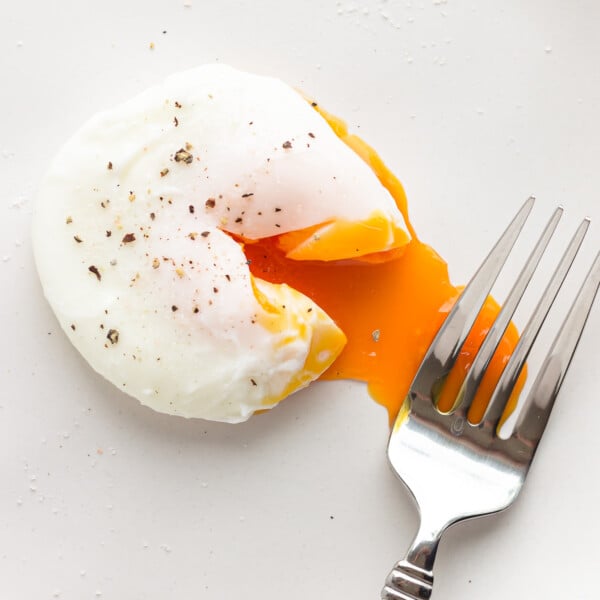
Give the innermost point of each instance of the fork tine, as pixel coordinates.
(536, 411)
(511, 372)
(494, 335)
(444, 349)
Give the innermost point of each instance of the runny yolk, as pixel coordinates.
(389, 310)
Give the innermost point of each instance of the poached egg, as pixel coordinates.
(219, 241)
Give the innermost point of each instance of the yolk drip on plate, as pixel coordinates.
(390, 306)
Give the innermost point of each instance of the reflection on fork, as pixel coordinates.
(467, 465)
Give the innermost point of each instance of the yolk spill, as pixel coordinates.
(390, 313)
(389, 310)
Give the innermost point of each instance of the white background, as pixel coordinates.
(475, 105)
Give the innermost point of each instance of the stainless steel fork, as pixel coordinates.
(455, 469)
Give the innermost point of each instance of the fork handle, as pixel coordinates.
(406, 581)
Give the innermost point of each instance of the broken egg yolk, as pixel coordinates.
(389, 305)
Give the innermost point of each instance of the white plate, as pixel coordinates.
(475, 106)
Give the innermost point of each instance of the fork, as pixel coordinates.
(456, 469)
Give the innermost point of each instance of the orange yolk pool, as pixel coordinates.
(390, 306)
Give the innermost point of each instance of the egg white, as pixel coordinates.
(132, 240)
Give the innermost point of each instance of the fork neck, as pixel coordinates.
(423, 550)
(412, 577)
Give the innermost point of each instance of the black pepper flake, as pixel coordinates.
(196, 310)
(286, 145)
(248, 195)
(314, 104)
(177, 105)
(191, 208)
(112, 336)
(205, 233)
(239, 220)
(128, 238)
(77, 239)
(277, 225)
(152, 216)
(216, 290)
(183, 156)
(277, 209)
(109, 166)
(312, 135)
(73, 327)
(210, 203)
(93, 269)
(108, 233)
(176, 121)
(174, 308)
(309, 310)
(253, 382)
(228, 277)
